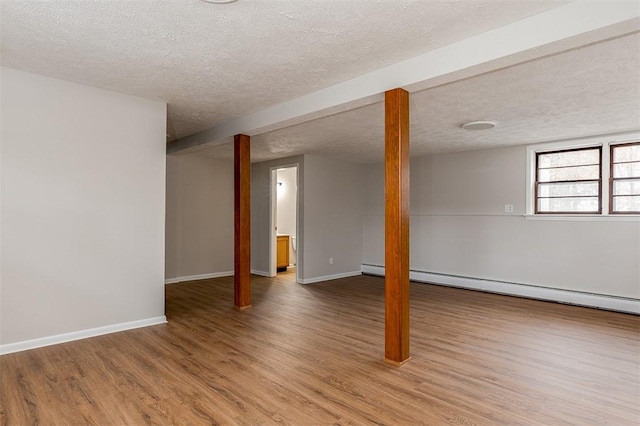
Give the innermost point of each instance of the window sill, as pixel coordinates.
(585, 217)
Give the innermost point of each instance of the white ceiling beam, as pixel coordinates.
(566, 27)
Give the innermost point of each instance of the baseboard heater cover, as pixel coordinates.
(570, 297)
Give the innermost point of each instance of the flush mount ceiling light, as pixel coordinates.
(478, 125)
(219, 1)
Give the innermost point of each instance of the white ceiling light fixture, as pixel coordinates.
(478, 125)
(220, 1)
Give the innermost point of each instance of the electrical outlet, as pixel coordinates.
(331, 261)
(508, 208)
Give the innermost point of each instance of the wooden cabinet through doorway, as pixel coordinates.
(282, 248)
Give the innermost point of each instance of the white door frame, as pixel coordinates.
(273, 213)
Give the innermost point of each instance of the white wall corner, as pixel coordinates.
(261, 273)
(329, 277)
(198, 277)
(78, 335)
(611, 303)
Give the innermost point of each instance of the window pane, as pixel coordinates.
(569, 181)
(568, 189)
(579, 205)
(626, 170)
(569, 158)
(626, 203)
(626, 153)
(626, 187)
(569, 173)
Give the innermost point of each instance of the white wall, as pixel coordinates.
(261, 212)
(334, 201)
(286, 211)
(82, 216)
(458, 227)
(329, 216)
(199, 224)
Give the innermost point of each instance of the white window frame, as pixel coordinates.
(604, 141)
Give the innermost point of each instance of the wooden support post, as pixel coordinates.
(242, 222)
(396, 160)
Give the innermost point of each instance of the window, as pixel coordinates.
(625, 178)
(569, 181)
(585, 179)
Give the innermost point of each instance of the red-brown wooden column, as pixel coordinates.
(242, 222)
(396, 160)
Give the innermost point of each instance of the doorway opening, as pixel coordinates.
(284, 217)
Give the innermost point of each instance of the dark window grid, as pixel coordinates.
(632, 194)
(622, 212)
(614, 179)
(547, 182)
(626, 195)
(579, 165)
(562, 151)
(559, 151)
(623, 178)
(599, 180)
(598, 197)
(570, 180)
(579, 196)
(626, 177)
(560, 182)
(569, 212)
(626, 162)
(620, 145)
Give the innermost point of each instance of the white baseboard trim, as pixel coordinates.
(611, 303)
(329, 277)
(198, 277)
(261, 273)
(77, 335)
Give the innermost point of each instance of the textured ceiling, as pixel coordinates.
(212, 63)
(588, 91)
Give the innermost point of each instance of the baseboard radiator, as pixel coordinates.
(571, 297)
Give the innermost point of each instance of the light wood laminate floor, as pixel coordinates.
(312, 355)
